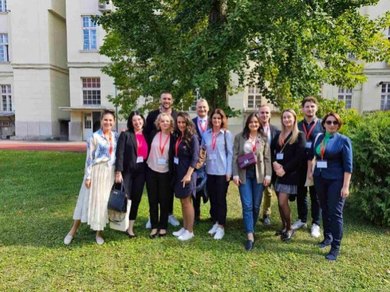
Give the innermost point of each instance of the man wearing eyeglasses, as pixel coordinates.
(310, 126)
(270, 131)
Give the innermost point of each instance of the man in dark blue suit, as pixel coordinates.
(201, 125)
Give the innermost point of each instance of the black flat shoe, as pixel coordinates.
(249, 245)
(153, 236)
(279, 232)
(162, 234)
(286, 236)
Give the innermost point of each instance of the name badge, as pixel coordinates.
(279, 156)
(322, 164)
(176, 160)
(212, 156)
(308, 145)
(161, 161)
(140, 159)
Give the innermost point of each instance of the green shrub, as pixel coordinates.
(371, 175)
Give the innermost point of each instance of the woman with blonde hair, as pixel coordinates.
(288, 153)
(159, 173)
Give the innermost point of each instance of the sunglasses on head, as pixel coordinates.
(332, 122)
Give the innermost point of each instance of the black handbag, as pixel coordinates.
(118, 199)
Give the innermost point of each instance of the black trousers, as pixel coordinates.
(217, 188)
(302, 204)
(134, 183)
(160, 194)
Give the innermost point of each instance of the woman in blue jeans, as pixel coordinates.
(332, 176)
(252, 178)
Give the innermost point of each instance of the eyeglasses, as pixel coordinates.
(332, 122)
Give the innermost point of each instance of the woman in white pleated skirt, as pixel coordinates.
(91, 207)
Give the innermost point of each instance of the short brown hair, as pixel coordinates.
(223, 117)
(332, 114)
(309, 99)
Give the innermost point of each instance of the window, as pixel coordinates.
(89, 34)
(346, 96)
(6, 98)
(91, 90)
(4, 47)
(3, 5)
(385, 96)
(254, 97)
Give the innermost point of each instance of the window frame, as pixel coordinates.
(4, 48)
(6, 98)
(346, 95)
(254, 97)
(91, 90)
(385, 96)
(3, 6)
(89, 33)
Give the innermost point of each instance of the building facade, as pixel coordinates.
(52, 86)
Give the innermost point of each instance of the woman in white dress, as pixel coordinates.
(91, 207)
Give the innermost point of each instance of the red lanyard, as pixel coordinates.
(177, 146)
(111, 148)
(202, 127)
(253, 144)
(165, 143)
(322, 148)
(138, 138)
(307, 134)
(214, 140)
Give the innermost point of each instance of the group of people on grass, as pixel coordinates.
(163, 152)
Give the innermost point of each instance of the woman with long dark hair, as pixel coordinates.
(185, 158)
(251, 179)
(130, 165)
(95, 190)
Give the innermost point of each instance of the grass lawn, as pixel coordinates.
(38, 191)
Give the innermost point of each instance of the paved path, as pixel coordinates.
(43, 145)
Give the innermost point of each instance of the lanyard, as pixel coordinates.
(214, 140)
(165, 143)
(202, 126)
(307, 134)
(139, 137)
(323, 146)
(284, 144)
(110, 149)
(253, 142)
(177, 146)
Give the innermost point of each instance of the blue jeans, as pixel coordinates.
(251, 194)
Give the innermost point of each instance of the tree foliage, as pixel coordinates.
(287, 48)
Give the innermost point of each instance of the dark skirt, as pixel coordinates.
(188, 190)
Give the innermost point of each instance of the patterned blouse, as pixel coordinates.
(100, 149)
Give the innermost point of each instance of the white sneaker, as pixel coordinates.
(220, 233)
(148, 224)
(298, 224)
(315, 231)
(173, 221)
(186, 235)
(99, 240)
(213, 229)
(178, 233)
(68, 239)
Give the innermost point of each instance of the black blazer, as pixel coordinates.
(293, 158)
(151, 118)
(171, 149)
(126, 152)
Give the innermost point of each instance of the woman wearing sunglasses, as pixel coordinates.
(332, 176)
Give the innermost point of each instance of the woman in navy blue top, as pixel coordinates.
(332, 176)
(186, 155)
